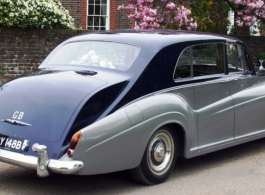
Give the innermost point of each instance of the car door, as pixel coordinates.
(212, 96)
(247, 90)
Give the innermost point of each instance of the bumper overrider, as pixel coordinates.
(42, 163)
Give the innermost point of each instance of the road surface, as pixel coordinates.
(237, 170)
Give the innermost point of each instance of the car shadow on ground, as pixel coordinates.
(16, 180)
(217, 158)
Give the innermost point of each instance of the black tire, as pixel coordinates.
(156, 164)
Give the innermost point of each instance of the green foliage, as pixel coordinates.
(262, 56)
(34, 14)
(211, 15)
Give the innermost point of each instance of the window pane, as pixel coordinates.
(183, 69)
(103, 21)
(97, 9)
(103, 10)
(90, 21)
(111, 55)
(91, 10)
(207, 59)
(97, 2)
(236, 58)
(103, 1)
(200, 60)
(96, 21)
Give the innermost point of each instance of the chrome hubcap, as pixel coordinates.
(161, 152)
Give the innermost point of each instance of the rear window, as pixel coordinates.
(112, 55)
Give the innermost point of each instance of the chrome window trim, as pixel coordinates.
(191, 68)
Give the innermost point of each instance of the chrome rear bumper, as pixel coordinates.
(42, 164)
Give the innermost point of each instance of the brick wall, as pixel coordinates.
(122, 21)
(22, 50)
(113, 15)
(84, 14)
(75, 10)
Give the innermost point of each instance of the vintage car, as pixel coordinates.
(131, 100)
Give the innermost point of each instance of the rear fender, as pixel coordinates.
(118, 141)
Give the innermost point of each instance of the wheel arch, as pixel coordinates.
(153, 170)
(181, 136)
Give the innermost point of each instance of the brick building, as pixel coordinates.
(97, 14)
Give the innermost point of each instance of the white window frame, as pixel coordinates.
(107, 25)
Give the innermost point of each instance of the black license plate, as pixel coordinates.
(11, 143)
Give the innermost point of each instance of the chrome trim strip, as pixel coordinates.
(15, 122)
(55, 166)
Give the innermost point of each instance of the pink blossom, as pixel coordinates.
(238, 1)
(121, 7)
(249, 10)
(248, 23)
(144, 25)
(240, 13)
(153, 25)
(193, 25)
(158, 14)
(246, 18)
(239, 23)
(148, 19)
(260, 4)
(170, 5)
(177, 18)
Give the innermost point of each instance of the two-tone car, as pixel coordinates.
(131, 100)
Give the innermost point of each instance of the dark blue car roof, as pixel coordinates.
(162, 38)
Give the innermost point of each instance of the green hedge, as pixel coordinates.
(34, 14)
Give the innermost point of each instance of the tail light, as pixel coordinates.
(75, 139)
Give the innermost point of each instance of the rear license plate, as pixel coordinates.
(11, 143)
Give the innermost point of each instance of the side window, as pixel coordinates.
(183, 69)
(200, 60)
(236, 58)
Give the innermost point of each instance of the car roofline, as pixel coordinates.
(142, 37)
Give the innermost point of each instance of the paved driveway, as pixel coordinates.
(238, 170)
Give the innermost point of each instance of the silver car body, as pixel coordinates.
(208, 112)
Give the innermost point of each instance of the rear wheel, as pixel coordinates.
(159, 158)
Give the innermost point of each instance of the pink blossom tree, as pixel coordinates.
(247, 11)
(177, 13)
(151, 14)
